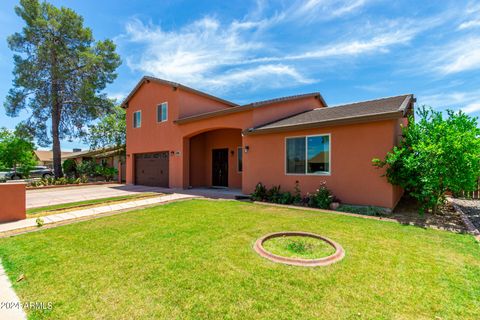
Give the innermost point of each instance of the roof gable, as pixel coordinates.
(174, 85)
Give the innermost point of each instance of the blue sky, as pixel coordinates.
(244, 51)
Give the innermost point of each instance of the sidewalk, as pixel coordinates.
(55, 218)
(11, 308)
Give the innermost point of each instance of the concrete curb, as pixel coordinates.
(338, 255)
(326, 211)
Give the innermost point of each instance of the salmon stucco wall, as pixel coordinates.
(12, 205)
(155, 136)
(352, 179)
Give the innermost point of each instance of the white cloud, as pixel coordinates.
(195, 52)
(324, 9)
(277, 75)
(467, 101)
(469, 24)
(471, 108)
(211, 54)
(118, 96)
(462, 55)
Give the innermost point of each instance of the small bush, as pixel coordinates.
(70, 168)
(322, 198)
(107, 172)
(286, 198)
(274, 194)
(260, 192)
(39, 222)
(297, 197)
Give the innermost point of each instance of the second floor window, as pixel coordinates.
(162, 112)
(137, 119)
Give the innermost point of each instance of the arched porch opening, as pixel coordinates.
(215, 159)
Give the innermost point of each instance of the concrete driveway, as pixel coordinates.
(47, 197)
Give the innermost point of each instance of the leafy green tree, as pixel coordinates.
(110, 131)
(16, 152)
(60, 73)
(436, 155)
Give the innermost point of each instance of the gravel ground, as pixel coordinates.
(471, 208)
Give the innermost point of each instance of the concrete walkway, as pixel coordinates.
(10, 307)
(54, 218)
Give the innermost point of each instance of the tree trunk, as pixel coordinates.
(57, 151)
(56, 117)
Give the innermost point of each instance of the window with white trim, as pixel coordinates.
(239, 159)
(308, 155)
(162, 112)
(137, 119)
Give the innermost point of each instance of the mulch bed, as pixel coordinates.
(447, 218)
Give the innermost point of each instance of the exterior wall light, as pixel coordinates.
(247, 148)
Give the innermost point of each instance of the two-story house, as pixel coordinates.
(179, 137)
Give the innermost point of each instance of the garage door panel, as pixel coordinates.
(151, 169)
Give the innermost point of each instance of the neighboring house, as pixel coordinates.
(45, 157)
(110, 157)
(180, 137)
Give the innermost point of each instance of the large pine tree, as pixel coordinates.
(60, 73)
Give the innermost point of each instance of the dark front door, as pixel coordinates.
(220, 167)
(151, 169)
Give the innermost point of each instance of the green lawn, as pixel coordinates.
(57, 208)
(194, 260)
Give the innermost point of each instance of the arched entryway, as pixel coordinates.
(216, 159)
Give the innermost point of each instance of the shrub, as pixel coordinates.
(107, 172)
(260, 192)
(70, 168)
(87, 168)
(297, 197)
(322, 198)
(39, 222)
(286, 198)
(274, 195)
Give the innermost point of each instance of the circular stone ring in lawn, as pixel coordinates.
(299, 249)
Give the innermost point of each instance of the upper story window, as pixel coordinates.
(162, 112)
(308, 155)
(137, 119)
